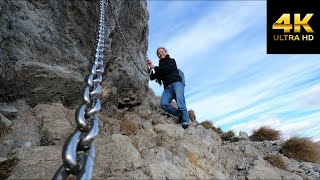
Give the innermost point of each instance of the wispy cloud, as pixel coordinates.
(303, 128)
(230, 79)
(218, 26)
(311, 98)
(263, 91)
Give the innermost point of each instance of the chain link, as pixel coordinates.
(125, 43)
(78, 151)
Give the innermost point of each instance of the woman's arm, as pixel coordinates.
(168, 66)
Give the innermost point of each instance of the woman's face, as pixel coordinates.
(161, 53)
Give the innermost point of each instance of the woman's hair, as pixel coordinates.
(161, 48)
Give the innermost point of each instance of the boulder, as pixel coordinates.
(4, 121)
(243, 135)
(56, 126)
(48, 48)
(37, 163)
(8, 110)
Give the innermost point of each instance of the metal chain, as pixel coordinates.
(78, 150)
(124, 41)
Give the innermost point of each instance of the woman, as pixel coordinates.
(168, 73)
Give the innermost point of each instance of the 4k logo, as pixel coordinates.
(293, 27)
(284, 23)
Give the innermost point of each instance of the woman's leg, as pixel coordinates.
(166, 98)
(179, 96)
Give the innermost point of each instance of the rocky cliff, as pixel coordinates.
(46, 50)
(47, 46)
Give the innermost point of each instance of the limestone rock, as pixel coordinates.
(115, 157)
(3, 159)
(5, 121)
(112, 125)
(144, 140)
(48, 47)
(27, 144)
(261, 170)
(48, 83)
(170, 130)
(46, 50)
(38, 163)
(137, 174)
(56, 126)
(243, 135)
(8, 110)
(129, 152)
(165, 170)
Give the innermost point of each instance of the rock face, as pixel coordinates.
(46, 48)
(158, 148)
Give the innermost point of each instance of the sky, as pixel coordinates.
(231, 80)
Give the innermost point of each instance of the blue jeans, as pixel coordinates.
(175, 91)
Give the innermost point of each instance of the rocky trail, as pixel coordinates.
(47, 48)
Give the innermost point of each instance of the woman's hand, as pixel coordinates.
(150, 64)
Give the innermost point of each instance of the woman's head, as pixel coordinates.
(161, 52)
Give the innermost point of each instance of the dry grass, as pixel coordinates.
(301, 149)
(128, 127)
(145, 117)
(45, 140)
(227, 136)
(4, 130)
(155, 122)
(265, 133)
(217, 130)
(193, 158)
(6, 167)
(192, 115)
(277, 161)
(208, 125)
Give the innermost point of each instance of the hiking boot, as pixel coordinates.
(180, 118)
(185, 126)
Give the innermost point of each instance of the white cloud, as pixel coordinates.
(305, 127)
(220, 25)
(311, 98)
(243, 74)
(268, 88)
(248, 127)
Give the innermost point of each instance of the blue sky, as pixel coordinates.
(231, 81)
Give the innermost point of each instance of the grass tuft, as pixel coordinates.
(128, 127)
(4, 130)
(193, 158)
(301, 149)
(208, 125)
(192, 115)
(277, 161)
(227, 136)
(7, 166)
(265, 133)
(46, 141)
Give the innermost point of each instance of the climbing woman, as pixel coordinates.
(173, 83)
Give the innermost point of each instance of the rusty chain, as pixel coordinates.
(78, 151)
